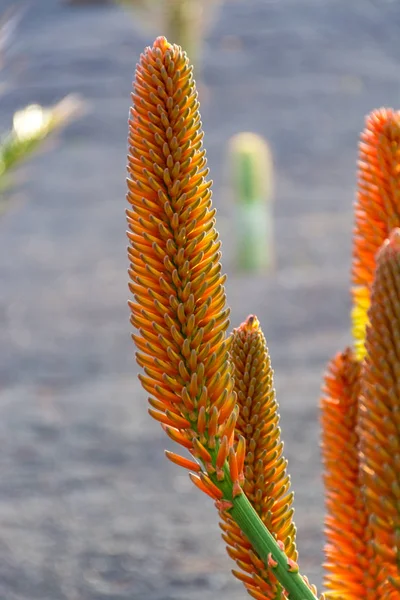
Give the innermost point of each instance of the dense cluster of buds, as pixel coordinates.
(213, 392)
(361, 403)
(377, 209)
(265, 480)
(179, 297)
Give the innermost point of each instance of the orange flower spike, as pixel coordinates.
(346, 519)
(378, 200)
(258, 424)
(179, 298)
(380, 409)
(179, 311)
(259, 464)
(377, 209)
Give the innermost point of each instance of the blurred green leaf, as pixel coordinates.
(32, 126)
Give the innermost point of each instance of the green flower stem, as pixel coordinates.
(261, 539)
(265, 545)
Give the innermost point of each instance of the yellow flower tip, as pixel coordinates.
(250, 324)
(162, 43)
(359, 319)
(361, 294)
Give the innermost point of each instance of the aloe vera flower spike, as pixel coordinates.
(178, 304)
(350, 569)
(266, 482)
(377, 209)
(380, 415)
(176, 279)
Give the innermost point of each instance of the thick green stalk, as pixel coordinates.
(268, 550)
(263, 542)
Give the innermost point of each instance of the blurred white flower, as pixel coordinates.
(31, 122)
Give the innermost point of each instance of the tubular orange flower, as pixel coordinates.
(179, 297)
(266, 483)
(350, 572)
(377, 210)
(380, 413)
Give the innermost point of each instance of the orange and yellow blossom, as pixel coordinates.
(377, 208)
(379, 425)
(178, 304)
(266, 482)
(350, 571)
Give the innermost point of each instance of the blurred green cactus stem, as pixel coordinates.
(251, 170)
(183, 22)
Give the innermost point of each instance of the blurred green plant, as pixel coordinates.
(185, 22)
(32, 126)
(251, 170)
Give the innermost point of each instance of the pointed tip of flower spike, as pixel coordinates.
(162, 43)
(251, 323)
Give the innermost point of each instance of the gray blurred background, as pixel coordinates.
(89, 507)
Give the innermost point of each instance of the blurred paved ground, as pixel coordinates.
(89, 507)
